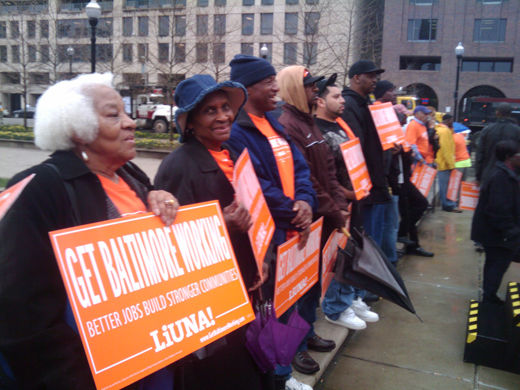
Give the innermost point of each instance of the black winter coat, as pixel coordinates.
(496, 221)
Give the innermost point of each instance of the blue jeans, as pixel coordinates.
(444, 179)
(390, 229)
(338, 298)
(373, 220)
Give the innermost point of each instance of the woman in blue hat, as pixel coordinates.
(202, 170)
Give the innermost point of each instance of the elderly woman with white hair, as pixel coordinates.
(87, 179)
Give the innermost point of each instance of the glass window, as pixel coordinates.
(3, 29)
(219, 53)
(103, 52)
(31, 29)
(248, 24)
(490, 1)
(487, 65)
(291, 2)
(422, 29)
(266, 24)
(289, 53)
(163, 52)
(267, 2)
(312, 21)
(142, 52)
(422, 2)
(179, 3)
(31, 53)
(180, 25)
(128, 26)
(202, 25)
(220, 3)
(247, 49)
(489, 30)
(248, 2)
(504, 66)
(3, 53)
(44, 53)
(15, 54)
(15, 29)
(419, 63)
(291, 23)
(202, 3)
(164, 25)
(312, 2)
(39, 78)
(143, 26)
(104, 28)
(310, 53)
(180, 52)
(269, 48)
(44, 29)
(469, 66)
(201, 52)
(219, 24)
(128, 51)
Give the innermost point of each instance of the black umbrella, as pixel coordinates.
(362, 264)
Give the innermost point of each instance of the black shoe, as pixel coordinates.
(316, 343)
(304, 363)
(493, 300)
(405, 241)
(453, 210)
(370, 297)
(418, 251)
(400, 254)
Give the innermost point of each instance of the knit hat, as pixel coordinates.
(190, 92)
(382, 87)
(249, 70)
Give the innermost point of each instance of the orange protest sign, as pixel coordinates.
(454, 185)
(144, 294)
(469, 196)
(387, 125)
(356, 167)
(328, 256)
(9, 196)
(249, 193)
(296, 270)
(423, 177)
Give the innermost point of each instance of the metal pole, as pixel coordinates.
(456, 94)
(70, 65)
(93, 23)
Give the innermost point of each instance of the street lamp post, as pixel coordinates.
(264, 51)
(70, 53)
(93, 11)
(459, 52)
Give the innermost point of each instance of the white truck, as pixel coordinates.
(152, 113)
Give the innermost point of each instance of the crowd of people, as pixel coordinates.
(294, 147)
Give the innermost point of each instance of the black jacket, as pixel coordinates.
(503, 129)
(357, 115)
(496, 221)
(43, 351)
(192, 175)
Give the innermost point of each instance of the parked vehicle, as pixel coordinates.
(477, 112)
(29, 112)
(153, 114)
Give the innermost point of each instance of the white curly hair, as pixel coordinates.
(66, 109)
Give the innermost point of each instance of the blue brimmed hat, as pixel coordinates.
(192, 91)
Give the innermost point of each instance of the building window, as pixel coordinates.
(11, 77)
(312, 21)
(39, 78)
(248, 2)
(15, 29)
(266, 24)
(487, 65)
(422, 2)
(219, 53)
(31, 29)
(220, 3)
(291, 2)
(419, 63)
(201, 53)
(164, 52)
(247, 49)
(269, 49)
(180, 52)
(103, 52)
(44, 29)
(180, 25)
(202, 3)
(128, 26)
(422, 29)
(104, 28)
(31, 53)
(44, 53)
(489, 30)
(267, 2)
(142, 52)
(143, 26)
(291, 23)
(3, 53)
(202, 25)
(3, 29)
(289, 53)
(248, 24)
(490, 1)
(312, 2)
(310, 53)
(219, 24)
(128, 50)
(178, 3)
(15, 54)
(164, 26)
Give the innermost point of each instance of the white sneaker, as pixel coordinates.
(362, 310)
(349, 319)
(293, 384)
